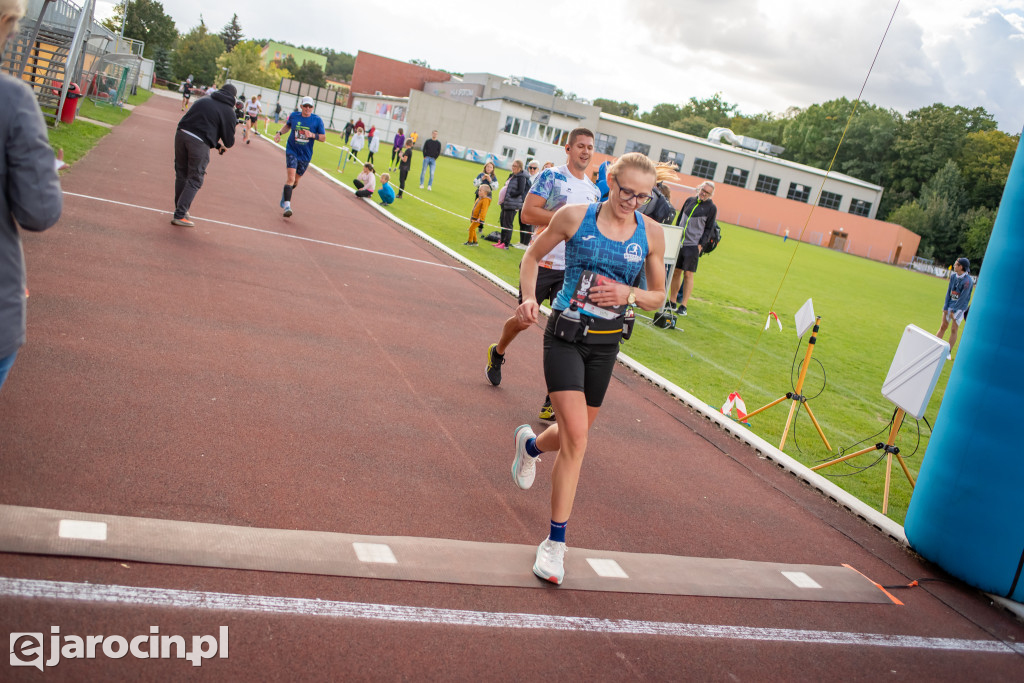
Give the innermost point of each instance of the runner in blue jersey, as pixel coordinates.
(303, 129)
(614, 241)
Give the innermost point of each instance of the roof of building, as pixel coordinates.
(739, 150)
(514, 100)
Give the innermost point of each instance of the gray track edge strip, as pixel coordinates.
(39, 531)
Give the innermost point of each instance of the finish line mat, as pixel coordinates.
(53, 532)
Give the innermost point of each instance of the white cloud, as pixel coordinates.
(761, 54)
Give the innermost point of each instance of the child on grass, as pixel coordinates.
(483, 202)
(386, 191)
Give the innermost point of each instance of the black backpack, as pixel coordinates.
(709, 241)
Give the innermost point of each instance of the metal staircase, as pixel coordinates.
(49, 48)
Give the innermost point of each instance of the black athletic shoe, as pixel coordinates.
(681, 309)
(494, 363)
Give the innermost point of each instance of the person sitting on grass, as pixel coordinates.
(386, 191)
(483, 202)
(365, 182)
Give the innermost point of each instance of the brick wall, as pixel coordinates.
(390, 76)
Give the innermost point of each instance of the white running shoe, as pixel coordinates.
(524, 467)
(550, 555)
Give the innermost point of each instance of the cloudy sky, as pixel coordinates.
(761, 55)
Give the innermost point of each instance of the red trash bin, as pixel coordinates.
(70, 108)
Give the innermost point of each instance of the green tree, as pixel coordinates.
(713, 109)
(340, 65)
(288, 64)
(928, 138)
(944, 200)
(244, 63)
(231, 34)
(978, 224)
(312, 73)
(626, 110)
(197, 54)
(162, 64)
(692, 125)
(985, 162)
(764, 126)
(147, 22)
(662, 115)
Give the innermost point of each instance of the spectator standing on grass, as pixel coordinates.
(358, 141)
(277, 113)
(431, 151)
(554, 188)
(303, 129)
(958, 300)
(526, 231)
(396, 149)
(350, 128)
(365, 182)
(479, 215)
(404, 165)
(512, 202)
(372, 145)
(30, 195)
(208, 124)
(697, 216)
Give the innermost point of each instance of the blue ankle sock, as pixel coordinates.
(558, 531)
(531, 447)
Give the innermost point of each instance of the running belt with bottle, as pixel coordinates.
(591, 255)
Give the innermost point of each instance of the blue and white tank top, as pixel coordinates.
(590, 250)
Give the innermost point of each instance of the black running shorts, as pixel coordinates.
(688, 257)
(578, 367)
(549, 282)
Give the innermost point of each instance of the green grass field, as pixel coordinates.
(77, 138)
(722, 346)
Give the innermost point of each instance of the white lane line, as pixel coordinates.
(607, 568)
(374, 552)
(86, 531)
(163, 597)
(271, 232)
(801, 580)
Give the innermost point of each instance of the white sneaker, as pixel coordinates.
(524, 467)
(550, 555)
(430, 188)
(949, 356)
(421, 186)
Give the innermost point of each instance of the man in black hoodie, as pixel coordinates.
(209, 124)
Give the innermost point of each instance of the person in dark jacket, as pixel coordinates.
(209, 124)
(30, 193)
(431, 151)
(660, 207)
(697, 215)
(515, 195)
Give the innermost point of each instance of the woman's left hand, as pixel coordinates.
(609, 294)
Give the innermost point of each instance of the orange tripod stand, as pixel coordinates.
(890, 450)
(797, 396)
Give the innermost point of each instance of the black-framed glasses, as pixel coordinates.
(630, 195)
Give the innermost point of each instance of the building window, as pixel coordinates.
(859, 207)
(736, 176)
(605, 144)
(830, 200)
(634, 146)
(670, 157)
(702, 168)
(508, 152)
(531, 152)
(767, 184)
(798, 192)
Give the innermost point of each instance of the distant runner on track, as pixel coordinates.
(304, 127)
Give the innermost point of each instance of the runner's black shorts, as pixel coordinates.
(688, 258)
(549, 282)
(578, 367)
(254, 119)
